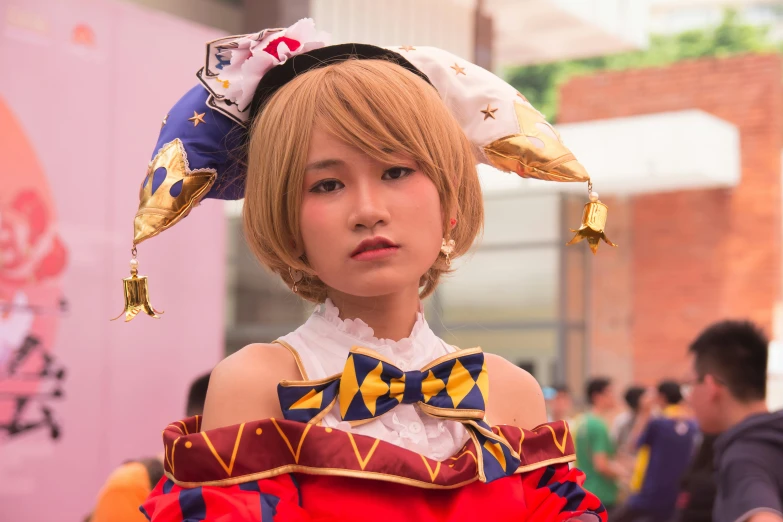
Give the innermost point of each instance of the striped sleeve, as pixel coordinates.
(555, 493)
(270, 500)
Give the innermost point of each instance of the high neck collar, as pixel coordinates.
(419, 345)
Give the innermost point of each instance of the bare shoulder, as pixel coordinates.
(243, 386)
(515, 397)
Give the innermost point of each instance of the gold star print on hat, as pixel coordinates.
(197, 118)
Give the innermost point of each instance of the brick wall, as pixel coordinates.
(692, 257)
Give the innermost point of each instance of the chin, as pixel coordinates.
(376, 284)
(710, 430)
(708, 426)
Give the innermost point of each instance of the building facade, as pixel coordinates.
(688, 257)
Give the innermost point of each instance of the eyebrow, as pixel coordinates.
(324, 164)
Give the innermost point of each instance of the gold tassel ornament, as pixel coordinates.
(593, 223)
(137, 294)
(538, 152)
(169, 192)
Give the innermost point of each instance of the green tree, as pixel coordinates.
(540, 83)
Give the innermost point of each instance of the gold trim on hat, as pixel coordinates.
(161, 210)
(518, 154)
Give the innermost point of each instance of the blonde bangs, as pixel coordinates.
(377, 107)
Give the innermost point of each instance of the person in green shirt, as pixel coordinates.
(595, 449)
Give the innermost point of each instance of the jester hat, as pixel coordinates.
(201, 150)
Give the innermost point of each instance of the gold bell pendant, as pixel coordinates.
(593, 222)
(137, 295)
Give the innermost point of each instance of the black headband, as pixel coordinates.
(280, 75)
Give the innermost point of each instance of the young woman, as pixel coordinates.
(357, 165)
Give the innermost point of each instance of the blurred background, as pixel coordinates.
(674, 106)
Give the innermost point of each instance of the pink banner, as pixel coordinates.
(85, 86)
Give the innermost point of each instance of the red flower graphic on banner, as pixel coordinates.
(32, 260)
(83, 34)
(30, 249)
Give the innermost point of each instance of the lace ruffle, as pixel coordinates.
(365, 335)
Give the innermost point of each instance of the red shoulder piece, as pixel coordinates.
(549, 443)
(284, 471)
(267, 448)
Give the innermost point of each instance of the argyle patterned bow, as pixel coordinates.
(454, 387)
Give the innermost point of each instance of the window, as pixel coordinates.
(520, 293)
(499, 286)
(260, 307)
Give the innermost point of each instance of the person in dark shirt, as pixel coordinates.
(697, 493)
(664, 449)
(624, 422)
(727, 391)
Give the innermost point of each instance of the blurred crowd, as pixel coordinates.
(703, 447)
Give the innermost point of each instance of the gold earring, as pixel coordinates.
(296, 276)
(447, 248)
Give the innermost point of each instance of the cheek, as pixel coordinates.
(699, 400)
(315, 226)
(423, 214)
(309, 217)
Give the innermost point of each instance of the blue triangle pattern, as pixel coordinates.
(473, 400)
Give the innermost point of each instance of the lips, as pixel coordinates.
(375, 243)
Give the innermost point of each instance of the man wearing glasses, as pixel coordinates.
(727, 392)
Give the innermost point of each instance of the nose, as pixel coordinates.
(369, 207)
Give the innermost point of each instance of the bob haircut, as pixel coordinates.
(377, 107)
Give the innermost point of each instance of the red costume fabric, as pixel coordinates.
(286, 471)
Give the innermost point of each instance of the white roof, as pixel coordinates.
(536, 31)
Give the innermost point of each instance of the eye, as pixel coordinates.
(397, 173)
(326, 185)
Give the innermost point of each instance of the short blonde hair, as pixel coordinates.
(376, 106)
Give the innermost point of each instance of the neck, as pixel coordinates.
(390, 316)
(738, 412)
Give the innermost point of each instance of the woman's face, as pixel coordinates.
(369, 228)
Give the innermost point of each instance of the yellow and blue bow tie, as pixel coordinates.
(454, 387)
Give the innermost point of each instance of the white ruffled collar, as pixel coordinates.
(416, 349)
